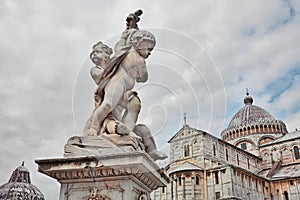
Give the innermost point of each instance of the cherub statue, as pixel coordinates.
(100, 56)
(119, 77)
(116, 106)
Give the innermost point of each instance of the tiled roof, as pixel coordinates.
(186, 167)
(286, 137)
(250, 114)
(20, 187)
(289, 171)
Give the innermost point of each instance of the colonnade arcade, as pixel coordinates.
(187, 184)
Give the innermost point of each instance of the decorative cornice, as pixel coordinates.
(137, 165)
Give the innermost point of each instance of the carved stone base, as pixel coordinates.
(101, 145)
(123, 175)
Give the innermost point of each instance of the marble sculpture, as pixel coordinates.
(117, 105)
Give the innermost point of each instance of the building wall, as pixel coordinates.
(253, 141)
(288, 152)
(219, 183)
(208, 151)
(291, 188)
(191, 139)
(248, 186)
(217, 159)
(227, 172)
(216, 150)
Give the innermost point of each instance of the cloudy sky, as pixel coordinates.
(207, 53)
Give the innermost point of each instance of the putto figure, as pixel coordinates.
(116, 106)
(100, 56)
(120, 75)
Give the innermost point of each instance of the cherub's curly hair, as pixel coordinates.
(140, 36)
(105, 48)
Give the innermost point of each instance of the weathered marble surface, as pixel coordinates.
(127, 175)
(101, 145)
(117, 105)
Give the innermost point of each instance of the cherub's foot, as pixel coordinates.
(121, 129)
(92, 132)
(132, 134)
(158, 155)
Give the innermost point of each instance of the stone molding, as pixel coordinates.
(135, 165)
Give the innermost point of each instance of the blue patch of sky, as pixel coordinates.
(279, 86)
(286, 20)
(290, 6)
(281, 114)
(291, 11)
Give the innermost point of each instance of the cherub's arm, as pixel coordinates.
(96, 73)
(124, 39)
(142, 73)
(121, 43)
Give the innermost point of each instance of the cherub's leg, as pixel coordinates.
(111, 98)
(117, 127)
(144, 132)
(131, 114)
(87, 125)
(117, 112)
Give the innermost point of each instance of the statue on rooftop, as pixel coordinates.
(117, 106)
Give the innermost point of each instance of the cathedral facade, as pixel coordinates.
(256, 158)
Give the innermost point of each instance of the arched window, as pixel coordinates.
(186, 149)
(197, 180)
(214, 150)
(296, 152)
(227, 156)
(179, 180)
(244, 146)
(286, 195)
(216, 177)
(248, 163)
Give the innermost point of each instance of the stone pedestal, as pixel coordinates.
(123, 173)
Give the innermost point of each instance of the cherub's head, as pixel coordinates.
(100, 54)
(143, 42)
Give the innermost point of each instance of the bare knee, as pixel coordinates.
(142, 130)
(135, 104)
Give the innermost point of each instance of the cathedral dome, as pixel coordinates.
(250, 114)
(252, 119)
(19, 187)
